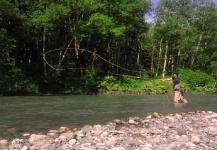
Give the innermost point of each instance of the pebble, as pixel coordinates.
(193, 130)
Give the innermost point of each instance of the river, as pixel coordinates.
(38, 114)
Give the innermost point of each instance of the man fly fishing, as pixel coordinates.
(179, 91)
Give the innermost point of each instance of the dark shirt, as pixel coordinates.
(176, 81)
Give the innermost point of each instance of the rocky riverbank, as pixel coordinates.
(184, 131)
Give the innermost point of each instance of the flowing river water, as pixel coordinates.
(39, 114)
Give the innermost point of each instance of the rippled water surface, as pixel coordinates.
(38, 114)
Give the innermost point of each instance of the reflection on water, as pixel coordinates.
(35, 114)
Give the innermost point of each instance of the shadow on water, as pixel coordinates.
(38, 114)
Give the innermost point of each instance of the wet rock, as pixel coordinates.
(87, 128)
(17, 144)
(209, 112)
(181, 131)
(97, 130)
(3, 144)
(79, 134)
(105, 134)
(171, 119)
(64, 129)
(149, 117)
(194, 130)
(132, 122)
(69, 135)
(39, 140)
(144, 131)
(111, 141)
(137, 118)
(12, 131)
(195, 139)
(182, 139)
(191, 145)
(173, 146)
(118, 148)
(26, 134)
(54, 131)
(117, 121)
(111, 126)
(132, 142)
(61, 138)
(156, 115)
(178, 116)
(72, 141)
(24, 148)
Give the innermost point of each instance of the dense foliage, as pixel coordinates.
(77, 47)
(191, 80)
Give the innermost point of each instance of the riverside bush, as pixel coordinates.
(108, 82)
(126, 83)
(197, 81)
(191, 80)
(130, 84)
(14, 83)
(157, 85)
(90, 82)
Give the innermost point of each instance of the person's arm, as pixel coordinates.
(172, 83)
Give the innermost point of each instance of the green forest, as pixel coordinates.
(87, 46)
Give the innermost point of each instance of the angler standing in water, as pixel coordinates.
(179, 93)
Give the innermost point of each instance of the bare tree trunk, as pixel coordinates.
(152, 57)
(138, 56)
(138, 61)
(159, 58)
(93, 59)
(76, 46)
(165, 60)
(43, 50)
(171, 61)
(77, 41)
(118, 57)
(198, 44)
(108, 51)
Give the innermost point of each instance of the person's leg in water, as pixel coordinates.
(182, 97)
(177, 96)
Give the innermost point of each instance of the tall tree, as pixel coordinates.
(42, 18)
(188, 30)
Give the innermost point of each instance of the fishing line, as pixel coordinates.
(59, 68)
(167, 96)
